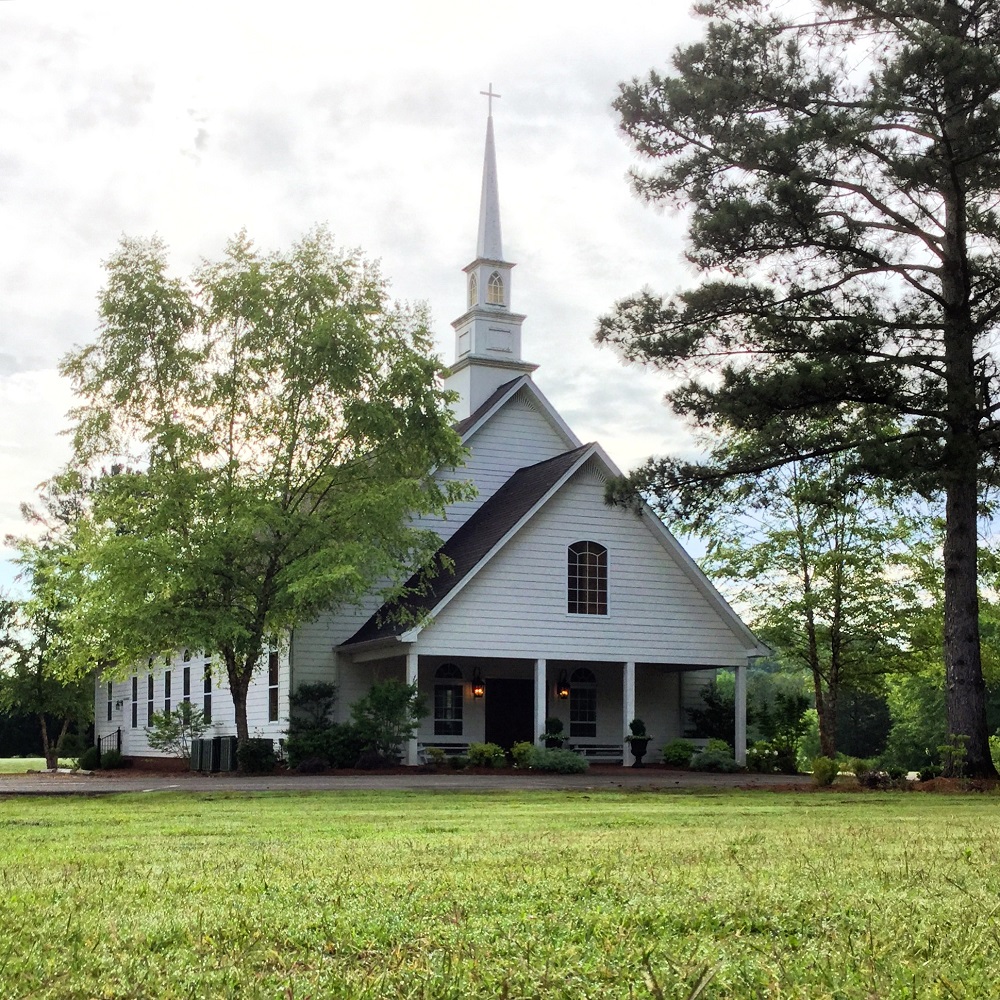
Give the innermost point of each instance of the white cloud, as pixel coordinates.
(195, 121)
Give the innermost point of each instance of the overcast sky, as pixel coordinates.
(196, 119)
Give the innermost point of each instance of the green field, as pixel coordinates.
(485, 895)
(20, 765)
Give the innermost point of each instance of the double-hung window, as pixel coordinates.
(448, 698)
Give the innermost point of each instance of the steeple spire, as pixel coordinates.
(488, 334)
(489, 245)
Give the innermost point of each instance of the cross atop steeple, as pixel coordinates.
(490, 94)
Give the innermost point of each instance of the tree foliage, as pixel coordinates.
(267, 430)
(172, 732)
(33, 679)
(388, 716)
(816, 555)
(841, 163)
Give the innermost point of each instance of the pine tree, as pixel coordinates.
(841, 163)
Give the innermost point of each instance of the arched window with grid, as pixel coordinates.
(473, 290)
(494, 289)
(587, 579)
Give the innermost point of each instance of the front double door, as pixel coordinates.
(510, 712)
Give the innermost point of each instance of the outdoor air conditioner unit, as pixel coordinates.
(227, 753)
(197, 754)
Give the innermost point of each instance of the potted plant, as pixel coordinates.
(638, 740)
(553, 735)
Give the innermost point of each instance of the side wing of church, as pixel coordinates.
(556, 605)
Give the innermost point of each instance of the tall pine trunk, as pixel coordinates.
(965, 689)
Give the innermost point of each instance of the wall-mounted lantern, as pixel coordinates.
(562, 688)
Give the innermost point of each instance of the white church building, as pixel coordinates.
(558, 606)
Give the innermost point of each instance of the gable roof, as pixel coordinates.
(474, 541)
(503, 394)
(485, 407)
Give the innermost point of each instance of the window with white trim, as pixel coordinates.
(494, 289)
(135, 701)
(583, 702)
(206, 698)
(110, 700)
(150, 707)
(448, 699)
(166, 691)
(186, 684)
(272, 686)
(473, 290)
(587, 579)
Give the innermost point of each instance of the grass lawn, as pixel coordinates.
(19, 765)
(531, 895)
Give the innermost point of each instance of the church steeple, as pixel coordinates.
(488, 334)
(489, 246)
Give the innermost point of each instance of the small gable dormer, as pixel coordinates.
(488, 334)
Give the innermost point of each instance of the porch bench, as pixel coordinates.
(599, 753)
(450, 749)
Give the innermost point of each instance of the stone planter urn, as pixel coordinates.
(638, 745)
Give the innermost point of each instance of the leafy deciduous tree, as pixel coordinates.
(31, 677)
(271, 425)
(815, 554)
(841, 161)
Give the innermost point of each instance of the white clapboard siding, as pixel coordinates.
(516, 436)
(516, 605)
(223, 711)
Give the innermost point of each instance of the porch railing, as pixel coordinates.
(112, 741)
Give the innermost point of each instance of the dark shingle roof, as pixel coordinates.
(463, 425)
(472, 541)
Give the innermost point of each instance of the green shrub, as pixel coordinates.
(719, 746)
(930, 772)
(552, 735)
(172, 732)
(458, 761)
(714, 760)
(311, 706)
(388, 716)
(869, 774)
(559, 761)
(112, 760)
(678, 753)
(824, 770)
(90, 759)
(522, 754)
(486, 755)
(435, 756)
(637, 728)
(339, 744)
(256, 756)
(777, 756)
(953, 755)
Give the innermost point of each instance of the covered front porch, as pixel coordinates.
(506, 700)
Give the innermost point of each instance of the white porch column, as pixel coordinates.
(540, 692)
(740, 740)
(628, 706)
(411, 678)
